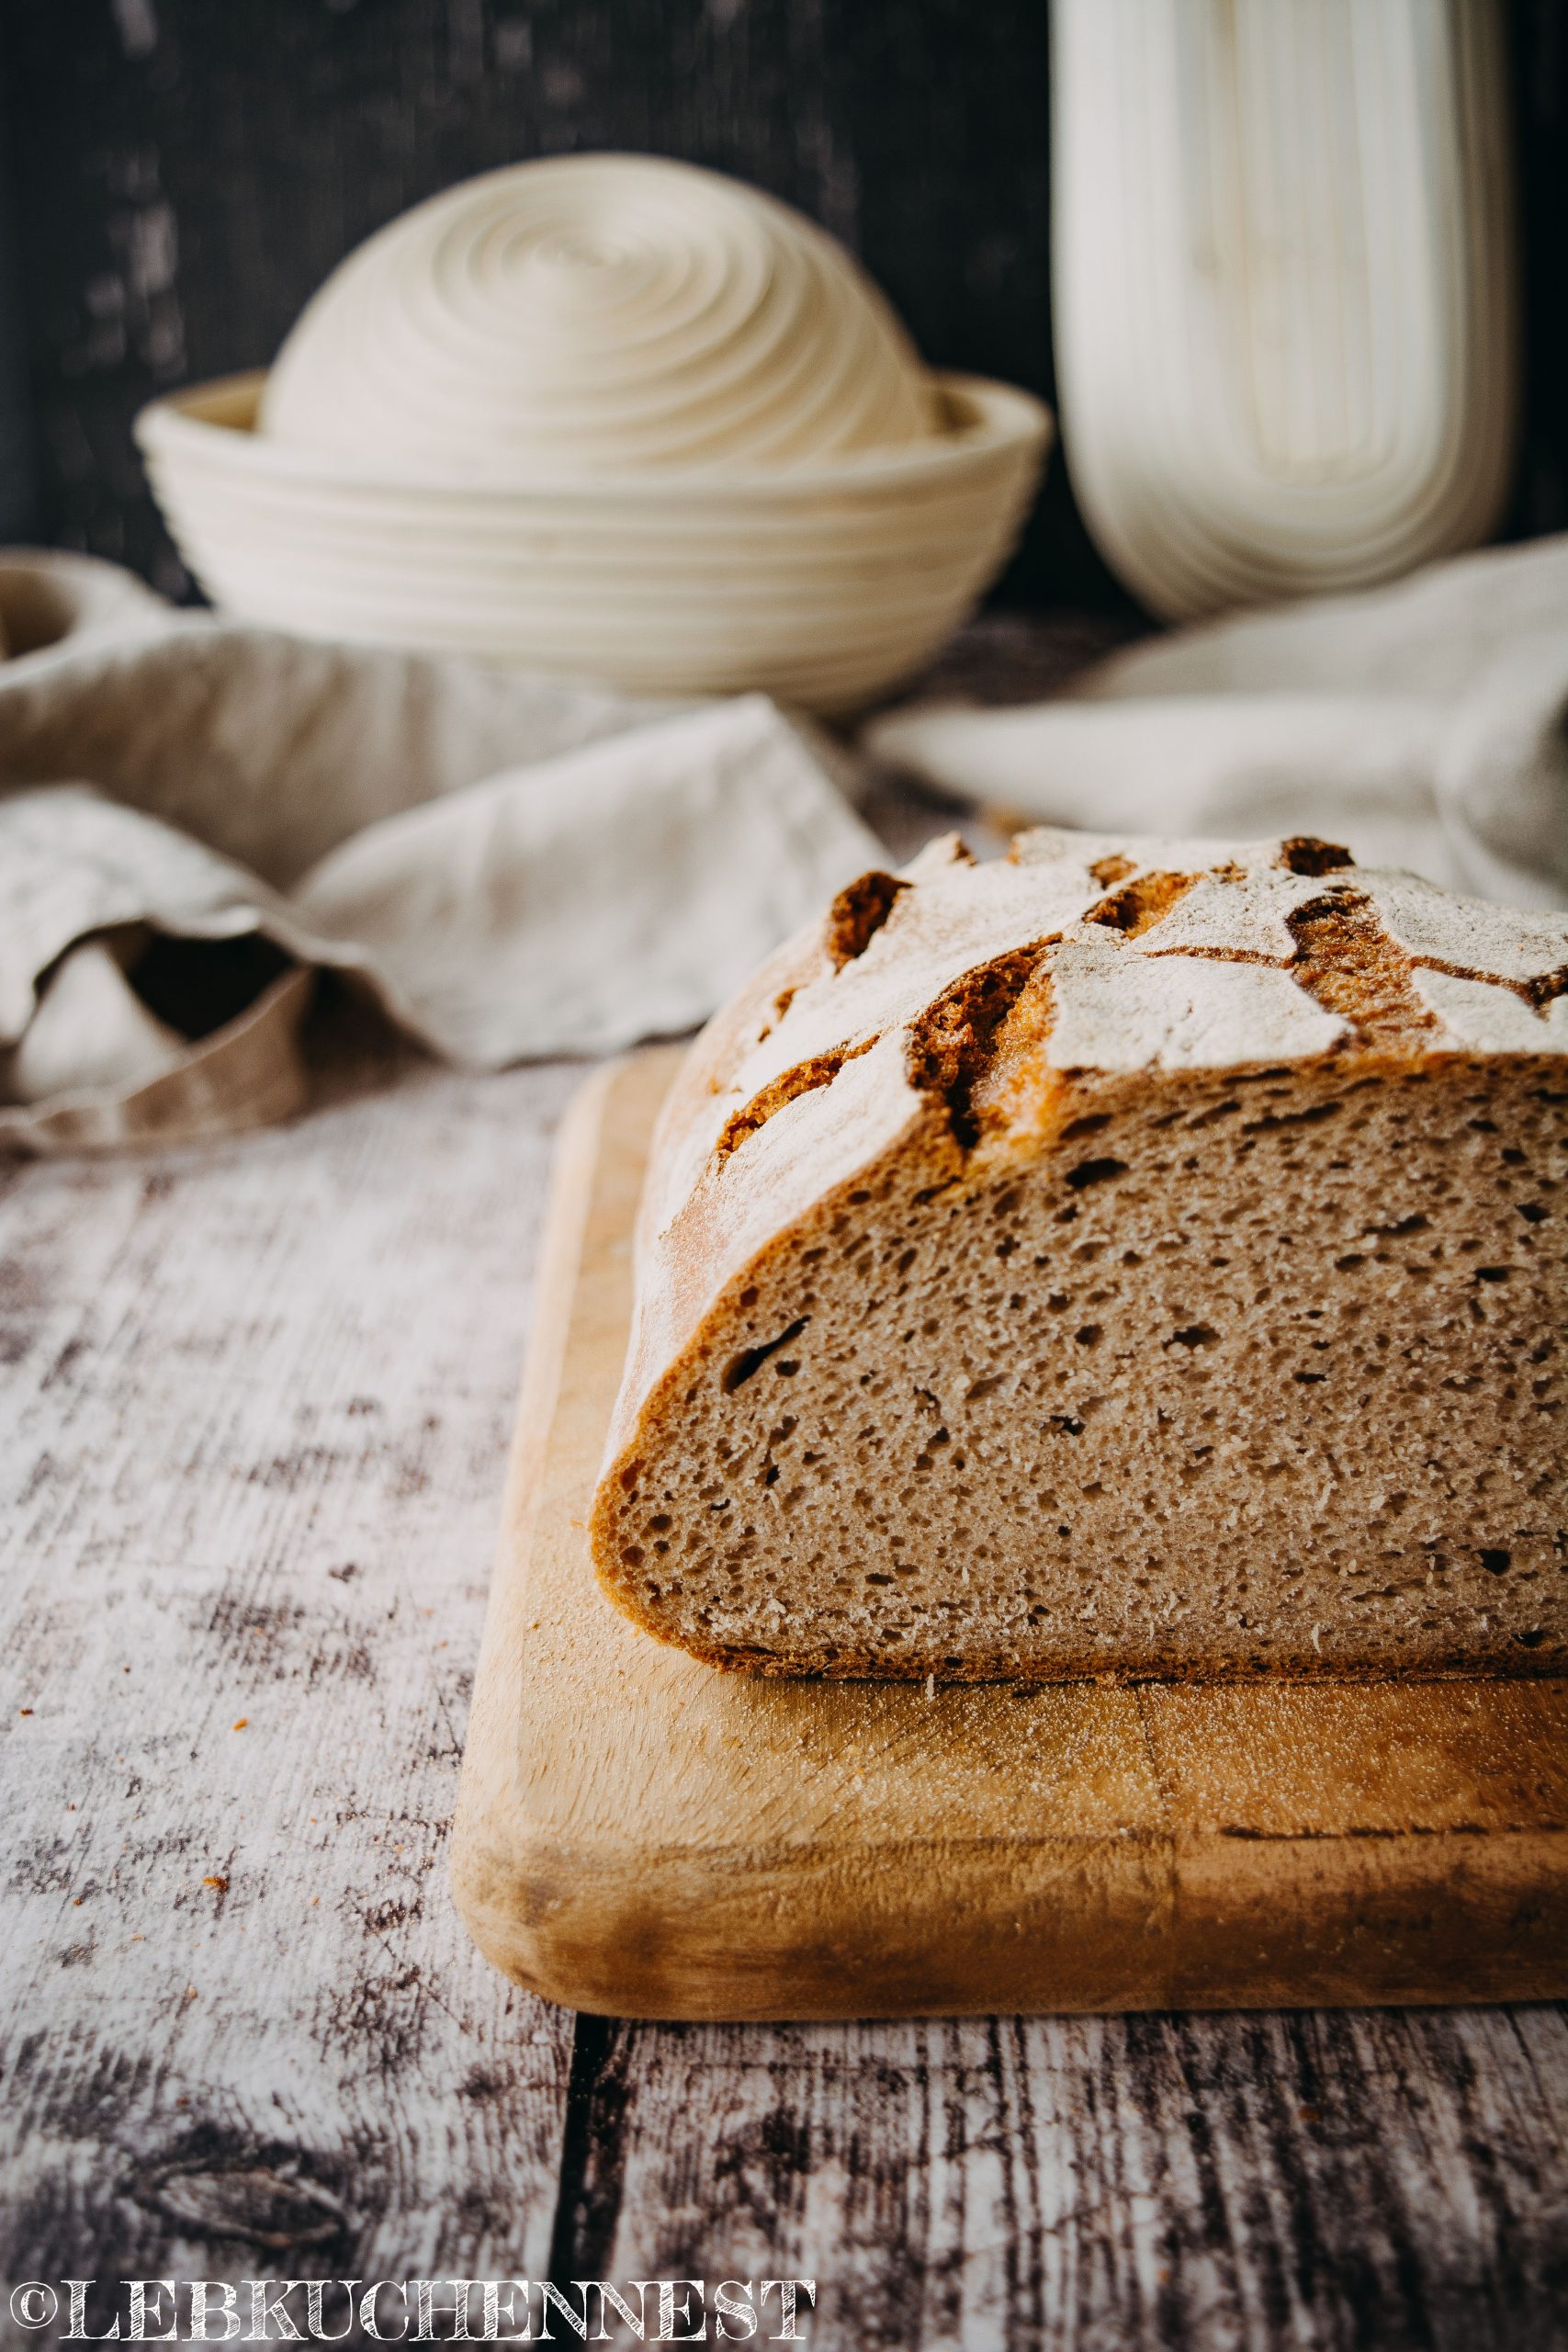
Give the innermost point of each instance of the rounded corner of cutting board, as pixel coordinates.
(501, 1901)
(615, 1934)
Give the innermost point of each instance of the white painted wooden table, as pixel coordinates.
(254, 1410)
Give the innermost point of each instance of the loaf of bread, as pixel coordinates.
(1135, 1258)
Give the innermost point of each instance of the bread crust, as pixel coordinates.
(940, 1033)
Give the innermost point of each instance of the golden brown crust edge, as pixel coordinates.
(712, 1063)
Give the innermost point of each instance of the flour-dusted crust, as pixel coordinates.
(1133, 1256)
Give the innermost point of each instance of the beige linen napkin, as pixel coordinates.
(1424, 725)
(194, 813)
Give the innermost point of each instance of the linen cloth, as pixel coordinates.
(516, 866)
(1423, 726)
(513, 866)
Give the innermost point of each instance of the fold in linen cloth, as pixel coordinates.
(195, 813)
(1422, 726)
(512, 865)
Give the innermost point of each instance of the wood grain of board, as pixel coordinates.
(641, 1834)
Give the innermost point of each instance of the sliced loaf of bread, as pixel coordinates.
(1133, 1258)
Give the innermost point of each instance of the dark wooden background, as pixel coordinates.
(177, 176)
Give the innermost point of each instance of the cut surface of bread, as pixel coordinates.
(1133, 1258)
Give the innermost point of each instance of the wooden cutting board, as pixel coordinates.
(642, 1835)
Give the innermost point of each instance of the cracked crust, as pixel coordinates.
(1035, 1035)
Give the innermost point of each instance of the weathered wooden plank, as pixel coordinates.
(1388, 2178)
(257, 1405)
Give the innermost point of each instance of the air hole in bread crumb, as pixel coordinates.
(1495, 1562)
(741, 1368)
(1311, 1117)
(1094, 1171)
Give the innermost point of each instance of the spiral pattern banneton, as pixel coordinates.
(598, 313)
(609, 416)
